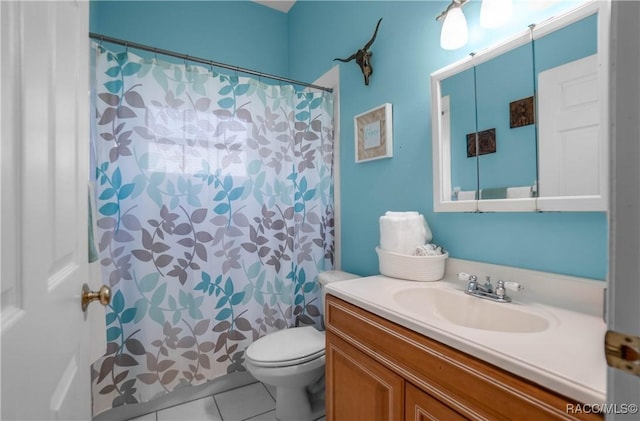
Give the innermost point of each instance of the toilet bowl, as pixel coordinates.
(292, 360)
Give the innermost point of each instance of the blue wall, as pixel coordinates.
(302, 45)
(240, 33)
(405, 53)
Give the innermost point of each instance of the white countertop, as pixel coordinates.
(567, 357)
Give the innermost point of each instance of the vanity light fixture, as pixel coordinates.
(495, 13)
(454, 33)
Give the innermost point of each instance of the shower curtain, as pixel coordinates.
(215, 214)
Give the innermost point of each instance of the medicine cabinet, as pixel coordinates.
(523, 126)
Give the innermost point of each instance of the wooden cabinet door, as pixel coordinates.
(420, 406)
(359, 388)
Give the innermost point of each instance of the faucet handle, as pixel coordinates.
(462, 276)
(513, 286)
(472, 285)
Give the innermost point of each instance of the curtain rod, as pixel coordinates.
(202, 61)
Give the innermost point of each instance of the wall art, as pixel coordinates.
(374, 134)
(486, 143)
(522, 112)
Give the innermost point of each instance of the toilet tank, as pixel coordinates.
(333, 276)
(329, 276)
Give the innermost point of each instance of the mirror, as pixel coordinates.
(505, 92)
(544, 151)
(572, 113)
(458, 118)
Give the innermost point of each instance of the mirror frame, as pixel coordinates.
(441, 150)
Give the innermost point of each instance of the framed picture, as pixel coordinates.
(486, 143)
(521, 112)
(373, 134)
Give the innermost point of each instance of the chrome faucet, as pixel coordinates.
(486, 290)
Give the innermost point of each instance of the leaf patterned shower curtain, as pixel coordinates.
(215, 215)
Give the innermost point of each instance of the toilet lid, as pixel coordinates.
(287, 347)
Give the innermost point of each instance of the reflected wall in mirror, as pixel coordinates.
(552, 159)
(458, 118)
(500, 81)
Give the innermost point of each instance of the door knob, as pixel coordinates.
(103, 294)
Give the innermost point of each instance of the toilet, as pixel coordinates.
(293, 360)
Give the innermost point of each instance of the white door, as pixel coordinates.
(44, 161)
(569, 130)
(623, 389)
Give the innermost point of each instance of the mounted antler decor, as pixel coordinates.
(363, 57)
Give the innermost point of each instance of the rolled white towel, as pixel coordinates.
(408, 214)
(415, 218)
(402, 232)
(429, 250)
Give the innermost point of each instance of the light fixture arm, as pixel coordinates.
(454, 3)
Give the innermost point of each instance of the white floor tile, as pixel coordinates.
(244, 402)
(198, 410)
(267, 416)
(271, 389)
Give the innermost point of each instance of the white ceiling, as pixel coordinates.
(281, 5)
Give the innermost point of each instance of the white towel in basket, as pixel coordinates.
(403, 232)
(429, 250)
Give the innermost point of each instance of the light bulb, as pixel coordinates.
(494, 13)
(454, 30)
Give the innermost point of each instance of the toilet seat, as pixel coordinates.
(287, 347)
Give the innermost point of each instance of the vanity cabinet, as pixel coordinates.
(378, 370)
(366, 390)
(420, 406)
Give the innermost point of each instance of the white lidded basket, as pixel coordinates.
(413, 268)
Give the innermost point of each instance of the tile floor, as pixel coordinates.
(253, 402)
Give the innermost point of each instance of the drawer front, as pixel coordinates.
(467, 385)
(420, 406)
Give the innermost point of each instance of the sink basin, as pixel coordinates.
(464, 310)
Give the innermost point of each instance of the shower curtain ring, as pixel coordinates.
(100, 48)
